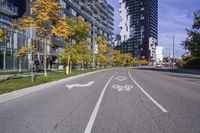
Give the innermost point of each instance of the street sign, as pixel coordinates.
(96, 49)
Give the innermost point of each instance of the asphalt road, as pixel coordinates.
(115, 101)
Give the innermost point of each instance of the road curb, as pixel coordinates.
(29, 90)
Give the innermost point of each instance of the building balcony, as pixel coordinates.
(5, 19)
(104, 5)
(103, 16)
(75, 6)
(99, 33)
(102, 10)
(8, 9)
(98, 18)
(86, 7)
(94, 8)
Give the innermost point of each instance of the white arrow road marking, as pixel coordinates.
(151, 98)
(123, 88)
(80, 85)
(121, 78)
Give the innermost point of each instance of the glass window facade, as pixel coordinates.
(143, 25)
(8, 58)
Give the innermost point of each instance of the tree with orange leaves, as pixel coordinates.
(2, 35)
(21, 53)
(46, 20)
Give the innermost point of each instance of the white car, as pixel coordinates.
(158, 65)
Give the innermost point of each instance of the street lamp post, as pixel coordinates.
(173, 59)
(173, 53)
(93, 44)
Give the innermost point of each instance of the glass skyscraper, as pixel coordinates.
(139, 27)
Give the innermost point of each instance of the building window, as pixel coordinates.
(142, 17)
(73, 12)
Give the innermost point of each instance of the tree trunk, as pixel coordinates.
(45, 57)
(70, 70)
(82, 66)
(67, 70)
(20, 64)
(68, 63)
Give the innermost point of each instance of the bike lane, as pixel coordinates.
(124, 109)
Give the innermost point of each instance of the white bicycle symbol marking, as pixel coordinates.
(123, 88)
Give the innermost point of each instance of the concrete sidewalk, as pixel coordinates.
(10, 76)
(4, 77)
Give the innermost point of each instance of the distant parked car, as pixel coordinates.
(158, 65)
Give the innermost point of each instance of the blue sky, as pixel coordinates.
(174, 17)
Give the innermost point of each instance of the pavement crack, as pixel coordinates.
(66, 117)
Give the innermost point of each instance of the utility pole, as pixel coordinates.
(93, 45)
(173, 61)
(173, 49)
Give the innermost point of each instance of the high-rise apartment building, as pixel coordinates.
(99, 15)
(9, 11)
(139, 21)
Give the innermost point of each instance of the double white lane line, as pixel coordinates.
(153, 100)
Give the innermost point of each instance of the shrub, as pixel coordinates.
(187, 58)
(193, 63)
(144, 62)
(180, 63)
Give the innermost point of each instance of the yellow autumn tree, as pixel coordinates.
(69, 54)
(84, 53)
(2, 35)
(79, 53)
(79, 31)
(47, 21)
(101, 57)
(122, 59)
(109, 55)
(21, 53)
(116, 57)
(144, 62)
(129, 59)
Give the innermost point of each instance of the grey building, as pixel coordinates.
(99, 15)
(141, 24)
(9, 11)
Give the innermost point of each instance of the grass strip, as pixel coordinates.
(20, 83)
(12, 72)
